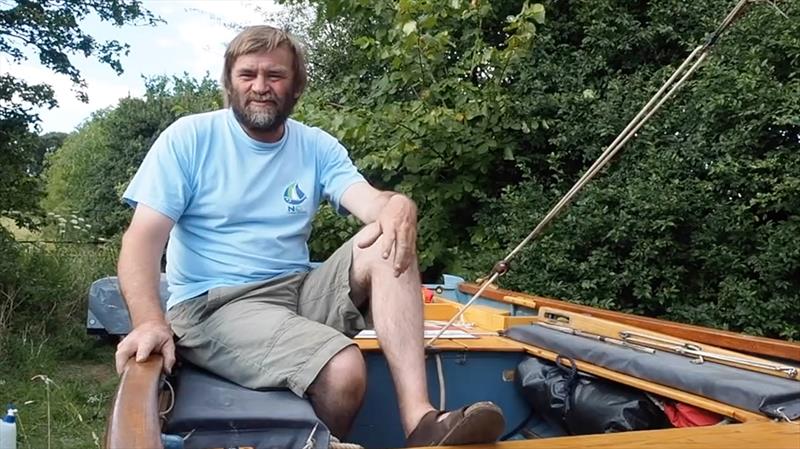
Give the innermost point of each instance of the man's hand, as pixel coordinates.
(397, 223)
(148, 337)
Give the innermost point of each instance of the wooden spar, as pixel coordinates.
(725, 339)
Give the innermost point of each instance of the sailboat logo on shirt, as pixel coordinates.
(294, 197)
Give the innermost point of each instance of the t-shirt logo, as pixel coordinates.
(294, 197)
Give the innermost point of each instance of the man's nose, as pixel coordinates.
(260, 84)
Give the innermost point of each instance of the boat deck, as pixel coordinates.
(487, 321)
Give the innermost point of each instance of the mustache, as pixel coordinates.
(267, 97)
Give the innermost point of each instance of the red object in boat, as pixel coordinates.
(685, 415)
(427, 295)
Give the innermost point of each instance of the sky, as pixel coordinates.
(192, 40)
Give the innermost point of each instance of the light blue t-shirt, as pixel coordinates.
(242, 208)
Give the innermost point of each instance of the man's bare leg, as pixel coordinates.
(396, 304)
(338, 391)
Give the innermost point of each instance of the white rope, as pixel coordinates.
(171, 400)
(783, 416)
(675, 82)
(440, 373)
(334, 443)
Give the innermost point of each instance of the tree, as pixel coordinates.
(50, 28)
(697, 220)
(87, 176)
(419, 92)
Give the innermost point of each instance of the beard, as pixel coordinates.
(267, 118)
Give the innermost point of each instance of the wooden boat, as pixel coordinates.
(209, 412)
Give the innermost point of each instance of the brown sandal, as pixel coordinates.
(481, 422)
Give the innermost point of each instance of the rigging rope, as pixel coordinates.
(678, 78)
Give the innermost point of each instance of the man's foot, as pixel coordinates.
(481, 422)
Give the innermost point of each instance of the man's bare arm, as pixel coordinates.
(138, 271)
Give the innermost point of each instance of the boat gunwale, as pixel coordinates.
(726, 339)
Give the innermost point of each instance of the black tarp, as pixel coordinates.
(583, 404)
(754, 391)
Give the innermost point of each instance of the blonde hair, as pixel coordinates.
(259, 38)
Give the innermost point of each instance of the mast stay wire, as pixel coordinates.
(672, 85)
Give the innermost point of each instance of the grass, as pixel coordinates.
(61, 403)
(60, 379)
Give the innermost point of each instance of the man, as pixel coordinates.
(235, 191)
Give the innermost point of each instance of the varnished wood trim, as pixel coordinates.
(731, 340)
(440, 311)
(734, 436)
(493, 344)
(483, 344)
(133, 423)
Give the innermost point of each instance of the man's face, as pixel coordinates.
(262, 89)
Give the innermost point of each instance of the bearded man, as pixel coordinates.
(235, 192)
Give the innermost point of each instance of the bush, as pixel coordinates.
(43, 292)
(87, 175)
(698, 220)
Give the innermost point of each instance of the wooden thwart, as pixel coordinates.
(487, 318)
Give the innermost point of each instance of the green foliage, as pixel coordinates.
(20, 189)
(87, 176)
(698, 220)
(457, 105)
(43, 291)
(420, 94)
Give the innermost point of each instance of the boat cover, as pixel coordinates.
(108, 313)
(757, 392)
(210, 411)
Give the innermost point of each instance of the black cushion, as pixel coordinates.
(214, 412)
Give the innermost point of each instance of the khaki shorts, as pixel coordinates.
(277, 333)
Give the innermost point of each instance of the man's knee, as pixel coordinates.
(367, 260)
(345, 375)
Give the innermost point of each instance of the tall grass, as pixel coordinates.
(59, 378)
